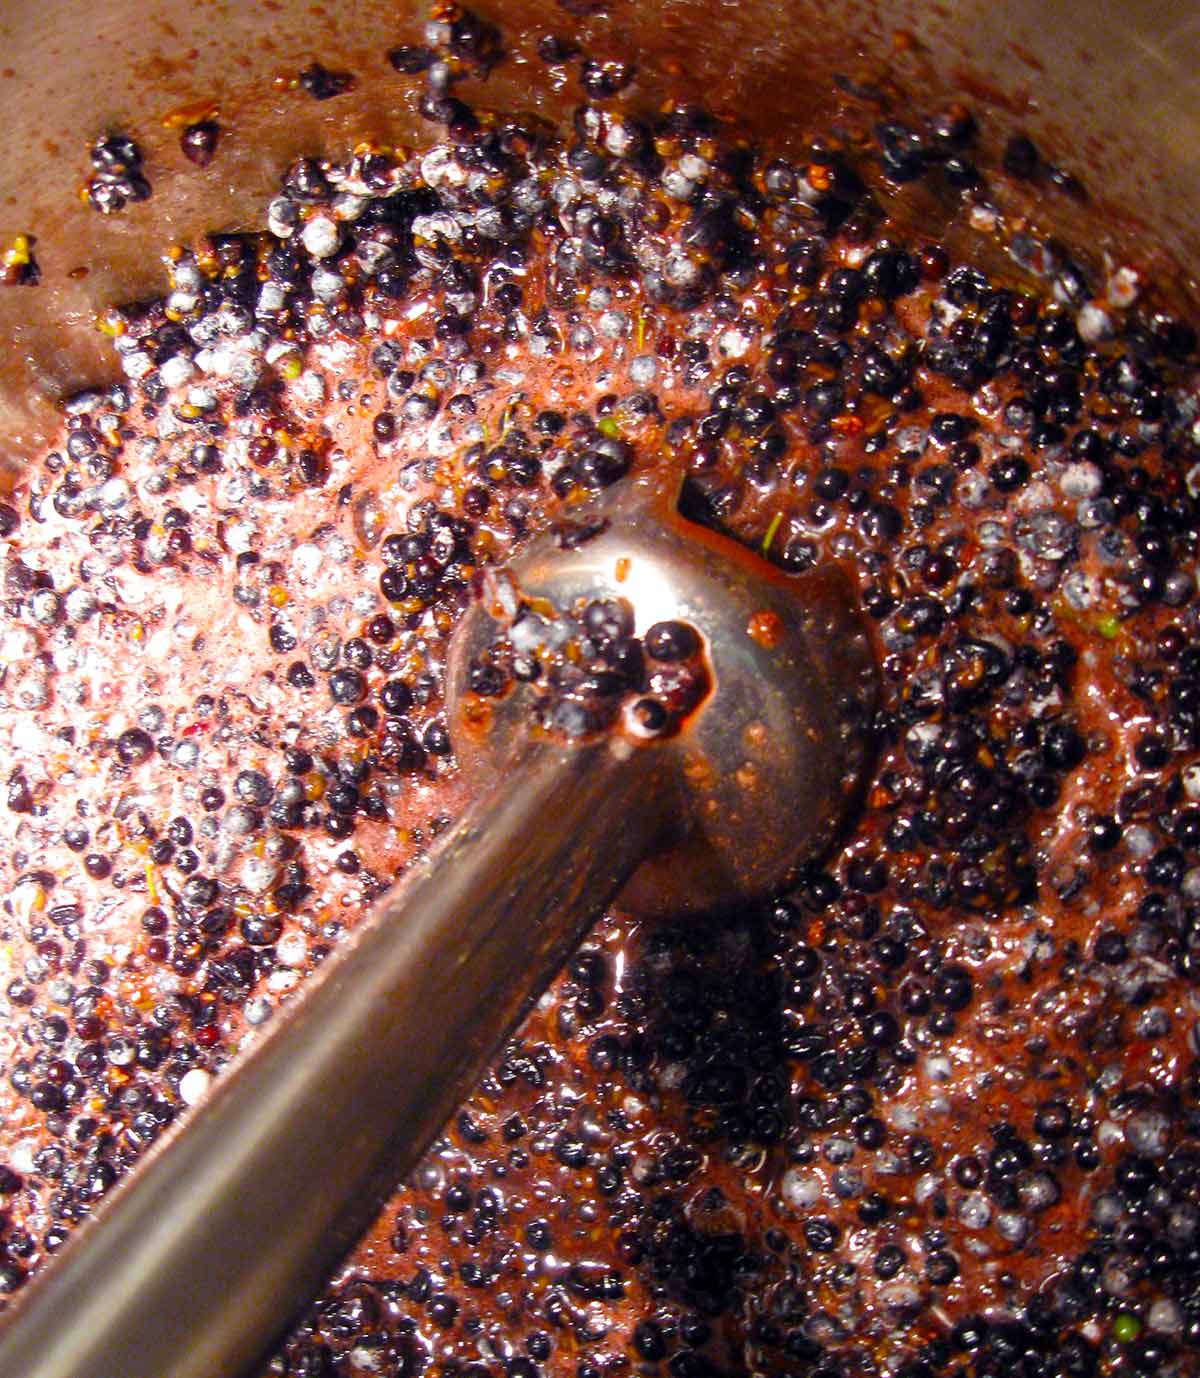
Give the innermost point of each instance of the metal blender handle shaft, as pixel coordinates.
(233, 1222)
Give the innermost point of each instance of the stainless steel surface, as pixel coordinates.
(773, 759)
(1108, 87)
(235, 1220)
(201, 1258)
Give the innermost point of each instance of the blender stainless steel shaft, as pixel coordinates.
(196, 1264)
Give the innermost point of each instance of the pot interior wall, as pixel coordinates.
(1110, 87)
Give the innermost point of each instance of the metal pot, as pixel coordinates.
(1109, 88)
(1123, 112)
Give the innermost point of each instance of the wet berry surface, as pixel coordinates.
(935, 1113)
(588, 671)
